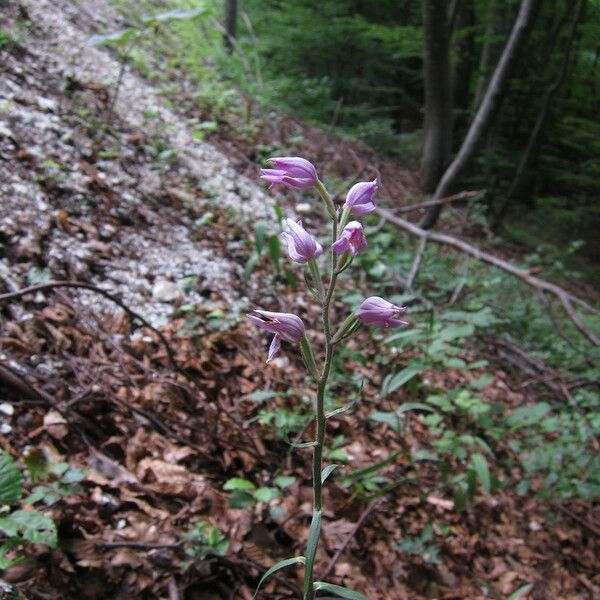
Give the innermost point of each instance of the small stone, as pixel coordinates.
(46, 104)
(166, 291)
(7, 409)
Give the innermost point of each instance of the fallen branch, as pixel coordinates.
(414, 269)
(566, 299)
(134, 316)
(430, 203)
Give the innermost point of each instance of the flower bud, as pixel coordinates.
(301, 245)
(292, 171)
(377, 312)
(352, 239)
(285, 326)
(360, 198)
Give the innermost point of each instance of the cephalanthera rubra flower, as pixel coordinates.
(301, 245)
(285, 326)
(352, 239)
(377, 312)
(291, 171)
(360, 198)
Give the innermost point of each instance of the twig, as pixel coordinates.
(136, 545)
(429, 203)
(16, 381)
(461, 283)
(567, 299)
(595, 530)
(414, 269)
(41, 287)
(370, 508)
(173, 591)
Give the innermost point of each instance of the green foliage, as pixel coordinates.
(27, 524)
(424, 545)
(202, 541)
(245, 494)
(549, 444)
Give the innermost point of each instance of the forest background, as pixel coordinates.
(472, 457)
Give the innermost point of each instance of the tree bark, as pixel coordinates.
(231, 10)
(488, 108)
(465, 61)
(492, 48)
(438, 116)
(535, 138)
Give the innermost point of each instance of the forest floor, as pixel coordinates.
(126, 198)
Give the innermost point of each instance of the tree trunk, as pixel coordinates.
(465, 61)
(438, 116)
(535, 138)
(231, 10)
(488, 108)
(495, 30)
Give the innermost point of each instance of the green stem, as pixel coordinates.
(311, 549)
(327, 199)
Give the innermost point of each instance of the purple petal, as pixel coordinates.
(274, 348)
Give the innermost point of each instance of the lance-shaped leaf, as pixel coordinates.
(340, 591)
(327, 471)
(280, 565)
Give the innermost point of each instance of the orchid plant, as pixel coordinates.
(347, 240)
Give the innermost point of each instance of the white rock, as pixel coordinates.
(166, 291)
(7, 409)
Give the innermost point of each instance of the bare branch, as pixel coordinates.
(414, 269)
(92, 288)
(430, 203)
(566, 299)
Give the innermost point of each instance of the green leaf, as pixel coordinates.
(311, 547)
(528, 415)
(259, 237)
(340, 591)
(348, 406)
(406, 406)
(520, 592)
(252, 262)
(11, 480)
(480, 465)
(37, 464)
(280, 565)
(391, 418)
(266, 494)
(174, 15)
(236, 483)
(119, 38)
(360, 473)
(327, 471)
(241, 499)
(453, 332)
(274, 250)
(262, 395)
(392, 382)
(481, 382)
(34, 527)
(284, 481)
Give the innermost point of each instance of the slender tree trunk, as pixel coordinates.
(535, 138)
(231, 10)
(488, 108)
(438, 115)
(465, 61)
(492, 48)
